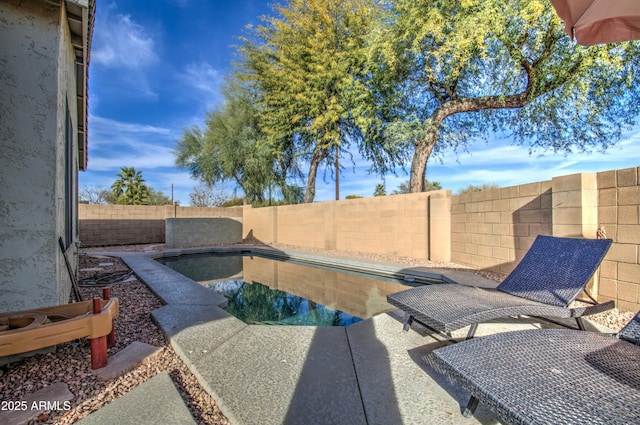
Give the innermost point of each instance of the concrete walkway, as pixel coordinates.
(368, 373)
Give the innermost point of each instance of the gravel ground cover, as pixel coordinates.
(71, 361)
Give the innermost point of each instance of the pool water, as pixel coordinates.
(255, 303)
(271, 292)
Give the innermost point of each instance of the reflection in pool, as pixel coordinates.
(255, 303)
(267, 291)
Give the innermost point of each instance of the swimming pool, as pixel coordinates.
(266, 291)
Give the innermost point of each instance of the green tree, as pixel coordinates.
(230, 149)
(380, 190)
(463, 69)
(309, 65)
(157, 197)
(233, 202)
(427, 186)
(130, 188)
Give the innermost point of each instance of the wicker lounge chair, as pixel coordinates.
(549, 376)
(545, 282)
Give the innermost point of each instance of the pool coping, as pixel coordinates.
(368, 373)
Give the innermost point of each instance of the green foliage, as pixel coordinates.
(157, 197)
(477, 188)
(406, 78)
(233, 202)
(310, 65)
(109, 197)
(255, 303)
(463, 69)
(130, 188)
(427, 186)
(353, 197)
(230, 148)
(380, 190)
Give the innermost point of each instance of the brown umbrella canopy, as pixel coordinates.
(600, 21)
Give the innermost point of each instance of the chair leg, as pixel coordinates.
(472, 331)
(408, 320)
(471, 407)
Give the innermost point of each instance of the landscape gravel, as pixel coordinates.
(71, 361)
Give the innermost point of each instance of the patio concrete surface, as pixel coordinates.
(368, 373)
(156, 401)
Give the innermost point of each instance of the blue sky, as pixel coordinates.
(157, 68)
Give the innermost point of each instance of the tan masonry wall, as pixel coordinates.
(619, 218)
(489, 230)
(493, 229)
(101, 225)
(397, 225)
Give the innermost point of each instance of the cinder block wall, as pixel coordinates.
(304, 224)
(101, 225)
(393, 224)
(619, 218)
(488, 230)
(201, 231)
(120, 224)
(493, 229)
(398, 225)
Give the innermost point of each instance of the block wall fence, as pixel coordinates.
(103, 225)
(488, 230)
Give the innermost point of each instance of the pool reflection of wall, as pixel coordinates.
(200, 268)
(356, 295)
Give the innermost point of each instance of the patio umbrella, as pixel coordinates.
(600, 21)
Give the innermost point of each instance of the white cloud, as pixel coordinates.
(203, 77)
(122, 43)
(109, 126)
(115, 144)
(206, 82)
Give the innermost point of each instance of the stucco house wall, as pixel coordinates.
(40, 144)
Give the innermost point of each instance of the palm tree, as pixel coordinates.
(130, 188)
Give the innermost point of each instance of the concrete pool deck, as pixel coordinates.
(368, 373)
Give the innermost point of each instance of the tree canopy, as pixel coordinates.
(310, 65)
(230, 148)
(405, 80)
(471, 188)
(466, 68)
(426, 187)
(130, 188)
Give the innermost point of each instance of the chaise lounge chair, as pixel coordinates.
(545, 282)
(549, 376)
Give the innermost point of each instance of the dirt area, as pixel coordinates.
(71, 361)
